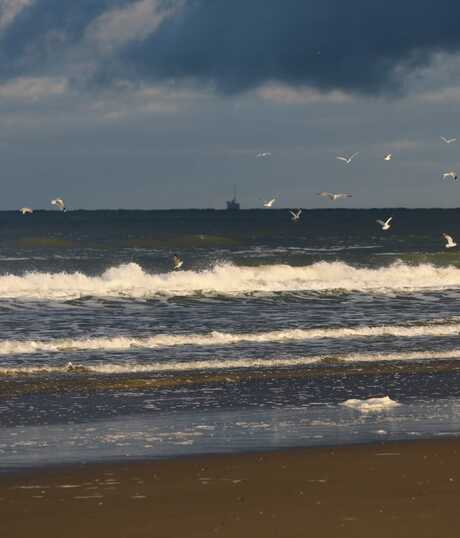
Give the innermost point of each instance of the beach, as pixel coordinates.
(273, 386)
(378, 490)
(229, 269)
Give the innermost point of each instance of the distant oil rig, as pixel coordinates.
(233, 204)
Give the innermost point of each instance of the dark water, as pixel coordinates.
(269, 323)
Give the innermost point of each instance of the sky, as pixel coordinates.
(157, 104)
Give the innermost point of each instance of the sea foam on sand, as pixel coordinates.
(371, 404)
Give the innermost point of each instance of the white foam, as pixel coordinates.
(129, 367)
(130, 280)
(215, 338)
(126, 367)
(404, 356)
(372, 404)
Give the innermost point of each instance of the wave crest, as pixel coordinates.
(130, 367)
(216, 338)
(130, 280)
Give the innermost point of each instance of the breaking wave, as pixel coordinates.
(130, 280)
(215, 338)
(159, 367)
(130, 367)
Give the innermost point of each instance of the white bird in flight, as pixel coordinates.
(448, 140)
(387, 156)
(25, 210)
(295, 215)
(178, 263)
(385, 224)
(334, 195)
(347, 158)
(263, 154)
(450, 242)
(59, 202)
(450, 174)
(269, 203)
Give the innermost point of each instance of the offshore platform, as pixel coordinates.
(233, 204)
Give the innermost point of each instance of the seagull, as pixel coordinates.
(59, 202)
(450, 242)
(448, 140)
(334, 195)
(450, 174)
(387, 157)
(270, 202)
(385, 224)
(347, 158)
(295, 215)
(263, 154)
(25, 210)
(178, 263)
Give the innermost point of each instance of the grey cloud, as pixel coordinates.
(43, 31)
(33, 89)
(235, 45)
(132, 22)
(10, 9)
(358, 46)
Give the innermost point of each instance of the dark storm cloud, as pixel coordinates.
(329, 44)
(364, 46)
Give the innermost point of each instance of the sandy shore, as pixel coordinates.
(389, 490)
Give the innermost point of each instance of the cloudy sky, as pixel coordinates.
(165, 103)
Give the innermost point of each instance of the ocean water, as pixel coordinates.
(259, 341)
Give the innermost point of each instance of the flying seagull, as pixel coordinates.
(347, 158)
(59, 202)
(387, 156)
(25, 210)
(178, 263)
(269, 203)
(295, 214)
(448, 140)
(334, 195)
(450, 174)
(385, 224)
(263, 154)
(450, 242)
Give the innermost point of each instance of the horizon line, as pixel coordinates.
(232, 212)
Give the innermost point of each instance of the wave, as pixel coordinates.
(129, 367)
(160, 367)
(215, 338)
(130, 280)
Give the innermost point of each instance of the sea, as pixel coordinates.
(273, 334)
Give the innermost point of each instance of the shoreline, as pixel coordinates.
(390, 488)
(119, 461)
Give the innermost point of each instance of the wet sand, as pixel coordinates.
(374, 491)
